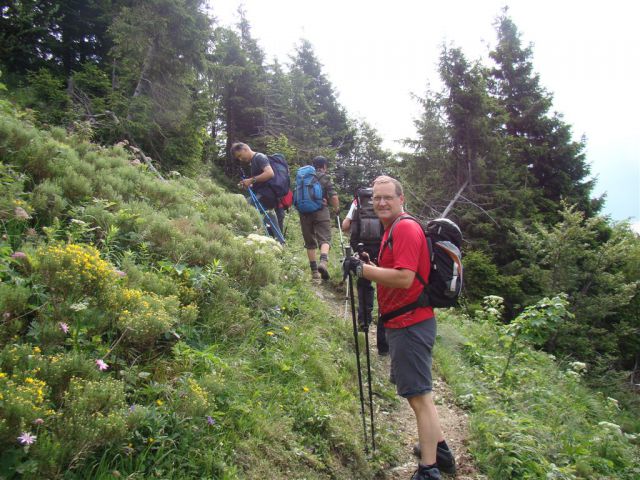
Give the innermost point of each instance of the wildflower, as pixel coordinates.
(64, 327)
(18, 255)
(120, 273)
(78, 307)
(271, 334)
(38, 421)
(151, 440)
(102, 366)
(613, 401)
(21, 213)
(285, 328)
(305, 389)
(36, 349)
(6, 315)
(159, 402)
(211, 420)
(26, 438)
(132, 408)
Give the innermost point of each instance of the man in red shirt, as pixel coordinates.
(410, 335)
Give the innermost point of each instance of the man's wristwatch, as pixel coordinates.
(359, 269)
(253, 180)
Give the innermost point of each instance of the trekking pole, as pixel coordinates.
(367, 321)
(346, 292)
(366, 342)
(267, 224)
(347, 253)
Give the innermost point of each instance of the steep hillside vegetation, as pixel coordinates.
(147, 329)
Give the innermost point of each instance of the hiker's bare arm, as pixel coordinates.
(346, 225)
(266, 174)
(389, 277)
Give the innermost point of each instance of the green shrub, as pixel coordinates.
(146, 316)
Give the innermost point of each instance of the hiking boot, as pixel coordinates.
(315, 275)
(424, 473)
(322, 268)
(444, 458)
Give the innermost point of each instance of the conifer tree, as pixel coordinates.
(365, 161)
(159, 55)
(319, 121)
(551, 165)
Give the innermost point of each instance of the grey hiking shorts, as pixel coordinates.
(410, 350)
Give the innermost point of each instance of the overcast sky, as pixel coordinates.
(377, 53)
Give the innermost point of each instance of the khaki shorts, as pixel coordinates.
(316, 228)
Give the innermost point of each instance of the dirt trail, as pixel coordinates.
(454, 420)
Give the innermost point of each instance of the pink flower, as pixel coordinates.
(64, 327)
(120, 273)
(102, 366)
(6, 315)
(26, 438)
(38, 421)
(18, 255)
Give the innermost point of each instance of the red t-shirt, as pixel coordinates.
(409, 250)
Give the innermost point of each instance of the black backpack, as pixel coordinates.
(366, 228)
(444, 240)
(277, 187)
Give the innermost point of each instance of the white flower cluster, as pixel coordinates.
(579, 367)
(610, 427)
(260, 241)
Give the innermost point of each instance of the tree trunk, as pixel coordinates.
(146, 65)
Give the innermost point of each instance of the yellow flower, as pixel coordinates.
(305, 389)
(159, 402)
(36, 349)
(2, 374)
(271, 334)
(151, 440)
(285, 328)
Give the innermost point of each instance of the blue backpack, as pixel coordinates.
(307, 196)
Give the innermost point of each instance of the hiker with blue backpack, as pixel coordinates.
(408, 288)
(268, 184)
(313, 195)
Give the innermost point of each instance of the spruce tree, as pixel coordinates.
(551, 165)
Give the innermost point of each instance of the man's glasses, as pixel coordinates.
(386, 198)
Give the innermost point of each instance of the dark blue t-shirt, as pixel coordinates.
(258, 163)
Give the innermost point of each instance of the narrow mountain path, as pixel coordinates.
(400, 417)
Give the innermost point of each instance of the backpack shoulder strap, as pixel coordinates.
(389, 241)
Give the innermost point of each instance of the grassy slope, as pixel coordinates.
(222, 362)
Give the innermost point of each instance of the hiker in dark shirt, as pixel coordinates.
(366, 292)
(260, 173)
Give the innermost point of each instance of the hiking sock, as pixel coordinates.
(324, 256)
(427, 467)
(314, 266)
(443, 445)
